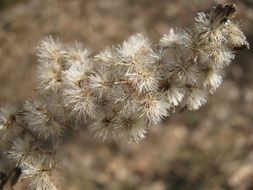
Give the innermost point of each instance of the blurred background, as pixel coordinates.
(211, 149)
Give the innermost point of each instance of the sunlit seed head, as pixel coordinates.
(76, 54)
(196, 99)
(50, 50)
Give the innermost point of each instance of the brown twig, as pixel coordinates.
(12, 178)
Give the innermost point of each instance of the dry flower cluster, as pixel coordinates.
(119, 92)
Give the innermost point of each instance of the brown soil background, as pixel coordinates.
(211, 149)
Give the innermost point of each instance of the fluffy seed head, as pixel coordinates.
(155, 108)
(175, 94)
(39, 172)
(136, 51)
(176, 39)
(105, 127)
(50, 50)
(6, 117)
(22, 150)
(76, 54)
(101, 81)
(131, 128)
(78, 97)
(39, 119)
(213, 80)
(196, 99)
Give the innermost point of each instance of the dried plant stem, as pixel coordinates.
(121, 92)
